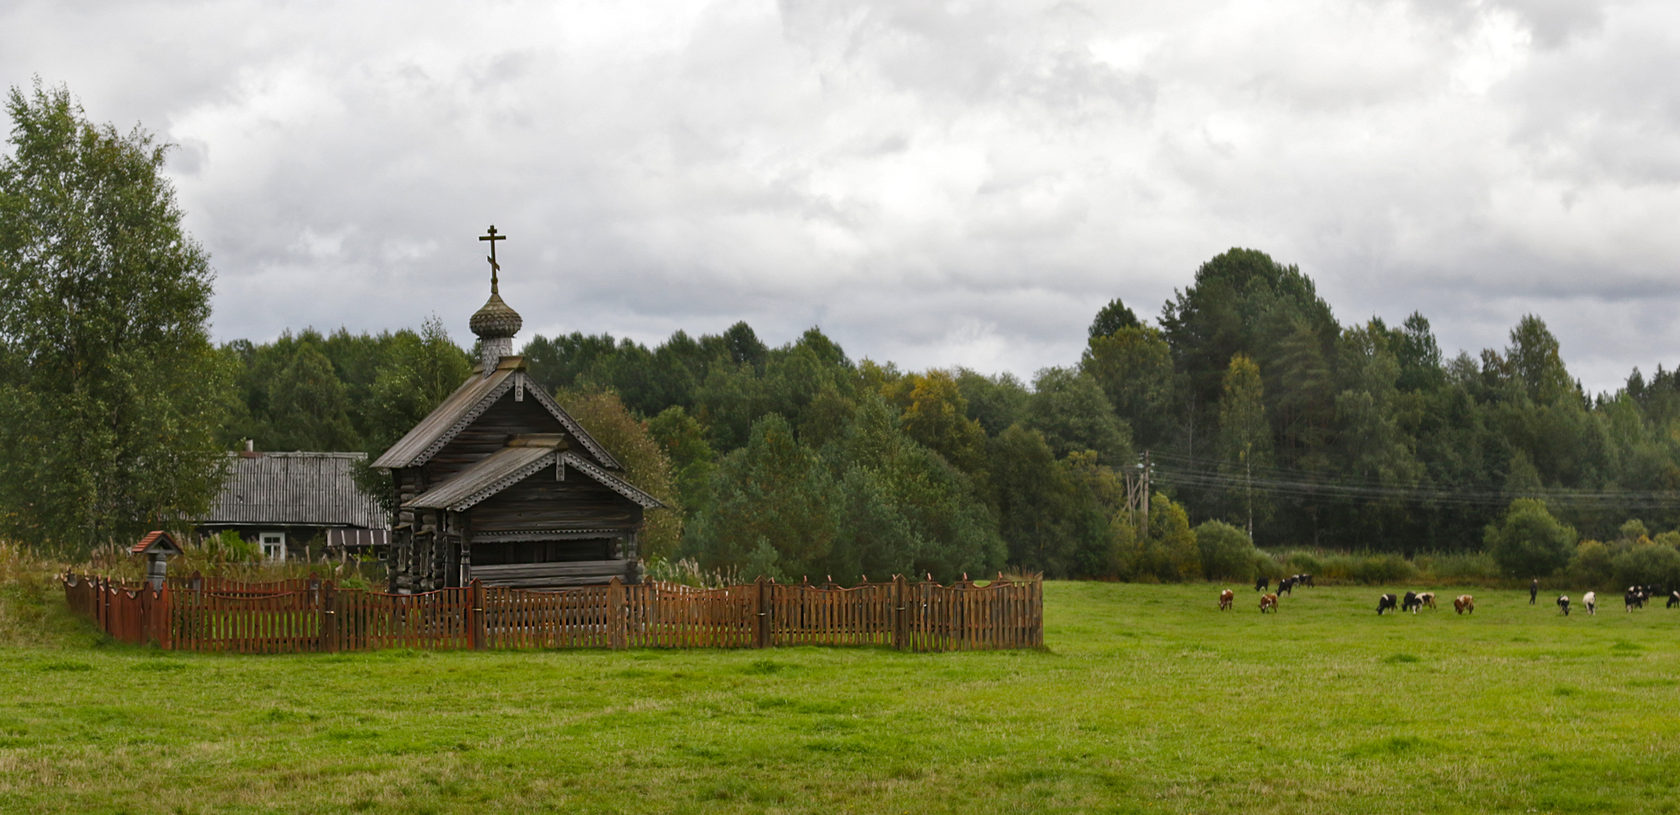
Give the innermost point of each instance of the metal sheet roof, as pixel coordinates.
(303, 489)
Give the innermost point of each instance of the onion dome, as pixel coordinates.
(496, 320)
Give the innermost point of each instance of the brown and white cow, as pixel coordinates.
(1464, 604)
(1226, 599)
(1268, 601)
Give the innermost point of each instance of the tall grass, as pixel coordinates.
(1378, 568)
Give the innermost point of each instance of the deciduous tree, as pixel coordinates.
(111, 392)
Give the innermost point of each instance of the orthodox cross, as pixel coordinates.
(494, 266)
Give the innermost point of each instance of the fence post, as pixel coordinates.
(329, 619)
(475, 617)
(901, 619)
(618, 624)
(761, 623)
(145, 604)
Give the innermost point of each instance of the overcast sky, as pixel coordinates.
(962, 183)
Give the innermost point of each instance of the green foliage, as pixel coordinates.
(996, 402)
(1226, 552)
(413, 374)
(1633, 530)
(227, 547)
(1169, 552)
(937, 416)
(903, 508)
(1647, 564)
(1591, 564)
(1112, 318)
(1133, 366)
(775, 510)
(692, 458)
(1245, 440)
(110, 392)
(645, 463)
(1073, 414)
(1528, 541)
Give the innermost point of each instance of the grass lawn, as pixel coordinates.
(1146, 698)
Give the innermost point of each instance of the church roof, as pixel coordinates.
(467, 403)
(511, 465)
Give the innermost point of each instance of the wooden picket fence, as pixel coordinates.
(209, 614)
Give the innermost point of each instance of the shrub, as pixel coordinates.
(1647, 564)
(1529, 541)
(1226, 551)
(1591, 564)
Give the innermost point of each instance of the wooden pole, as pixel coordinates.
(900, 619)
(761, 628)
(329, 619)
(475, 619)
(618, 624)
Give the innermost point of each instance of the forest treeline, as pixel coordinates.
(1258, 411)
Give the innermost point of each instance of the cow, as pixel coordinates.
(1633, 598)
(1427, 598)
(1590, 600)
(1226, 599)
(1268, 601)
(1286, 585)
(1673, 599)
(1410, 603)
(1563, 603)
(1262, 583)
(1305, 579)
(1464, 603)
(1386, 603)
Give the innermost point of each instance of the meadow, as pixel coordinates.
(1145, 698)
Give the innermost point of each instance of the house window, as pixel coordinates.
(273, 545)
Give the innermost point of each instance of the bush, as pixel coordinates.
(1591, 564)
(1226, 551)
(1528, 541)
(1648, 564)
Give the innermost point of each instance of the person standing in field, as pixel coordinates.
(1533, 589)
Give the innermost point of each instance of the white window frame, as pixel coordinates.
(273, 545)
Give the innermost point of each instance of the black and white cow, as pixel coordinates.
(1386, 602)
(1563, 603)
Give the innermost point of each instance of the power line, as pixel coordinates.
(1281, 482)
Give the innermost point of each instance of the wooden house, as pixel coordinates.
(286, 502)
(500, 484)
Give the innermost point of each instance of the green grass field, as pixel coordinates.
(1146, 698)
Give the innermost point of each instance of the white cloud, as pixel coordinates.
(935, 185)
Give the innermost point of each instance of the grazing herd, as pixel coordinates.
(1634, 597)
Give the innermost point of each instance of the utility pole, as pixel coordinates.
(1137, 491)
(1147, 469)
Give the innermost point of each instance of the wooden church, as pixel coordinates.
(500, 484)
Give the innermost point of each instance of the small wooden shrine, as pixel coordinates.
(500, 484)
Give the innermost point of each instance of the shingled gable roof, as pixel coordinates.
(467, 403)
(511, 465)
